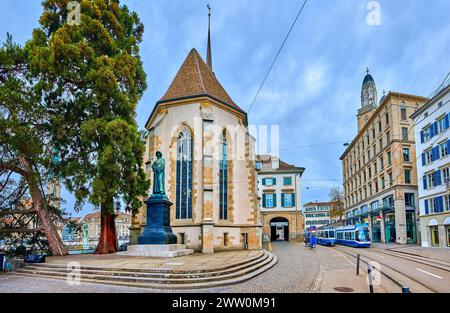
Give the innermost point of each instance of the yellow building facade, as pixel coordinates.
(379, 167)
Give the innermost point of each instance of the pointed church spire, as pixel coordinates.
(208, 53)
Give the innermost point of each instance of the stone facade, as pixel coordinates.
(379, 170)
(208, 117)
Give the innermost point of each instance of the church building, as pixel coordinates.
(210, 163)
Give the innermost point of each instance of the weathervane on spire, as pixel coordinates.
(208, 52)
(367, 70)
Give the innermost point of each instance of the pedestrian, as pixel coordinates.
(306, 240)
(312, 241)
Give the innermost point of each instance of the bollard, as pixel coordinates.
(369, 275)
(358, 257)
(405, 289)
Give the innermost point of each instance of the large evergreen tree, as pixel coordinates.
(92, 77)
(26, 151)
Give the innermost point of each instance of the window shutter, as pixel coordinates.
(274, 181)
(446, 122)
(436, 129)
(448, 145)
(293, 199)
(437, 178)
(425, 182)
(423, 159)
(264, 199)
(264, 182)
(435, 153)
(426, 207)
(282, 200)
(440, 207)
(274, 200)
(422, 139)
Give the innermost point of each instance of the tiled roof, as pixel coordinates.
(266, 161)
(194, 78)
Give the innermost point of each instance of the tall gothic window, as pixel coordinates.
(223, 178)
(183, 208)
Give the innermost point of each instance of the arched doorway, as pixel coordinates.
(279, 229)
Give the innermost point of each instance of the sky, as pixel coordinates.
(313, 91)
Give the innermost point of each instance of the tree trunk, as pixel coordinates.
(40, 206)
(108, 240)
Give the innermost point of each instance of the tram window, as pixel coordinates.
(325, 234)
(353, 236)
(347, 236)
(331, 234)
(356, 234)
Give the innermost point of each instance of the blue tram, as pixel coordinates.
(326, 236)
(354, 236)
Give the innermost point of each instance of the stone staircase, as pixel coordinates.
(159, 278)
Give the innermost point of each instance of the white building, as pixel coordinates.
(432, 133)
(318, 214)
(279, 191)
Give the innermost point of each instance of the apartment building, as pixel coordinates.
(432, 133)
(379, 166)
(279, 190)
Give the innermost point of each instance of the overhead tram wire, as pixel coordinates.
(276, 56)
(313, 145)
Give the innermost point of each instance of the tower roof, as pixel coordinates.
(368, 78)
(194, 79)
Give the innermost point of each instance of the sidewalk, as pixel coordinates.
(338, 275)
(442, 254)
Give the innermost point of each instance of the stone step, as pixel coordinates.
(159, 280)
(206, 282)
(149, 274)
(166, 270)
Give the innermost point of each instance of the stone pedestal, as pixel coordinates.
(157, 240)
(158, 230)
(157, 251)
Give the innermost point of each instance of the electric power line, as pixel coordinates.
(276, 56)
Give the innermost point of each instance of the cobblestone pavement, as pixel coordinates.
(299, 270)
(442, 254)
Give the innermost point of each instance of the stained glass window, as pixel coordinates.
(183, 208)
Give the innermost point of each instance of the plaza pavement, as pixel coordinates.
(299, 270)
(196, 261)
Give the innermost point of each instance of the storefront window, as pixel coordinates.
(376, 228)
(389, 225)
(434, 236)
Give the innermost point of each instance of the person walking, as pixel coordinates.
(312, 241)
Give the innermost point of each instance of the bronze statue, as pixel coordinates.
(158, 175)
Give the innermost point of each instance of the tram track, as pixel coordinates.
(415, 258)
(396, 272)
